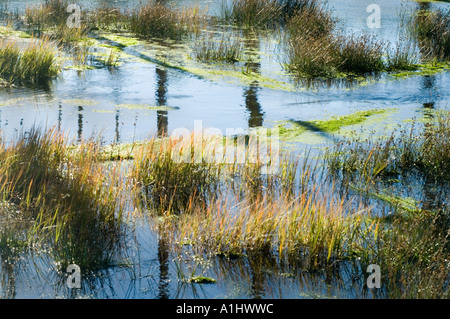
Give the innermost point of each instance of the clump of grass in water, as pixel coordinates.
(245, 210)
(157, 20)
(313, 50)
(252, 13)
(411, 245)
(212, 50)
(74, 205)
(359, 54)
(402, 58)
(432, 31)
(263, 13)
(425, 151)
(112, 58)
(110, 18)
(171, 183)
(34, 65)
(51, 18)
(332, 56)
(47, 13)
(413, 255)
(173, 179)
(309, 42)
(312, 229)
(310, 58)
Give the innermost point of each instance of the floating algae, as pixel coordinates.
(291, 130)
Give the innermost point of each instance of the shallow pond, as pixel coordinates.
(142, 97)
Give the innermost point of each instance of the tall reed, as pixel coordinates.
(402, 58)
(310, 22)
(311, 229)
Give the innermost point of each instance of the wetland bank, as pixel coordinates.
(354, 119)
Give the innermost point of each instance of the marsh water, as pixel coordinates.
(87, 103)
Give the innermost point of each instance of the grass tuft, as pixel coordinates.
(422, 151)
(157, 20)
(263, 13)
(225, 50)
(33, 65)
(73, 204)
(431, 29)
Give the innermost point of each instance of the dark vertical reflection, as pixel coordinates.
(256, 115)
(163, 258)
(259, 264)
(8, 281)
(421, 15)
(80, 123)
(162, 123)
(116, 81)
(117, 138)
(431, 193)
(161, 99)
(257, 284)
(59, 116)
(428, 84)
(424, 5)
